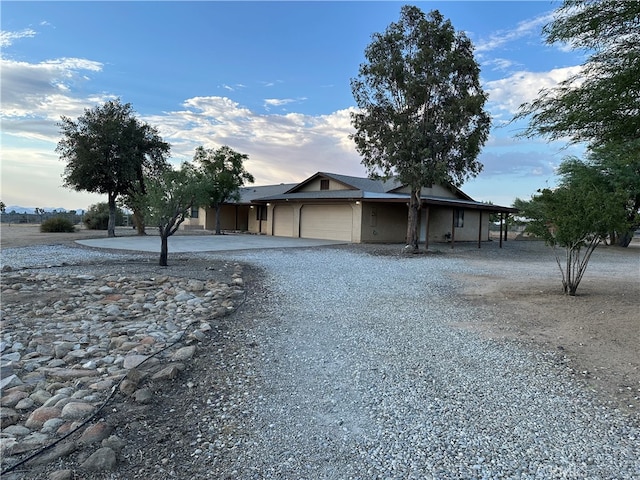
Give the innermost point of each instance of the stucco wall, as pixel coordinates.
(256, 226)
(314, 186)
(440, 223)
(195, 223)
(383, 223)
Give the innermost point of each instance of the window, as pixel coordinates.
(194, 212)
(458, 215)
(324, 184)
(261, 212)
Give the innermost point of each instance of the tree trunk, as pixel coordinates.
(138, 221)
(625, 239)
(218, 208)
(412, 220)
(164, 248)
(111, 225)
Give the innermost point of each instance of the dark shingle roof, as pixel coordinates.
(248, 194)
(360, 188)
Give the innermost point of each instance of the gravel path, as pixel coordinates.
(362, 378)
(357, 373)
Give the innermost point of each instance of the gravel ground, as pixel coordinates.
(362, 378)
(355, 371)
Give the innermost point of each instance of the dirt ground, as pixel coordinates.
(26, 235)
(595, 334)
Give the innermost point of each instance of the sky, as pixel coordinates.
(269, 79)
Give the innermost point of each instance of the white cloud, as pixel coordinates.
(7, 38)
(28, 88)
(281, 148)
(521, 163)
(507, 94)
(277, 102)
(524, 29)
(499, 64)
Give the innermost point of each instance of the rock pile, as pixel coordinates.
(70, 342)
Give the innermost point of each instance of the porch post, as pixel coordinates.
(453, 226)
(501, 216)
(426, 235)
(480, 230)
(506, 217)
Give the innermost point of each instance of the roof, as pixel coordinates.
(367, 189)
(360, 183)
(248, 194)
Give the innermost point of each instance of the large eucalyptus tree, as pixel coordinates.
(421, 114)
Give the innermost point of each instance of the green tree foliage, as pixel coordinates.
(3, 207)
(576, 216)
(108, 150)
(97, 217)
(224, 173)
(421, 107)
(169, 199)
(57, 225)
(600, 104)
(619, 166)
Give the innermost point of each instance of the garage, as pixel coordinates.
(283, 221)
(329, 222)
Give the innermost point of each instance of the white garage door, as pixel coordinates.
(329, 222)
(283, 221)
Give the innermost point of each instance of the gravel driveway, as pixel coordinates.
(353, 370)
(359, 375)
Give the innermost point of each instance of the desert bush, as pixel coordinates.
(57, 224)
(97, 217)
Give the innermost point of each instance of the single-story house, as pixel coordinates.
(353, 209)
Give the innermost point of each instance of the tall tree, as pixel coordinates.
(107, 151)
(576, 217)
(600, 104)
(224, 173)
(168, 201)
(421, 111)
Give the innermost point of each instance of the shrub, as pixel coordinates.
(97, 217)
(57, 224)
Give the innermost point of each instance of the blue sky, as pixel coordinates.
(269, 79)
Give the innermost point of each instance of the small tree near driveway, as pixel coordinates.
(169, 200)
(576, 216)
(223, 173)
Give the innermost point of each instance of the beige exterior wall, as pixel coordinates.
(371, 222)
(314, 186)
(441, 222)
(195, 223)
(257, 226)
(383, 223)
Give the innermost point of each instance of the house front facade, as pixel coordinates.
(356, 210)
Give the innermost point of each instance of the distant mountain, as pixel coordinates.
(32, 210)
